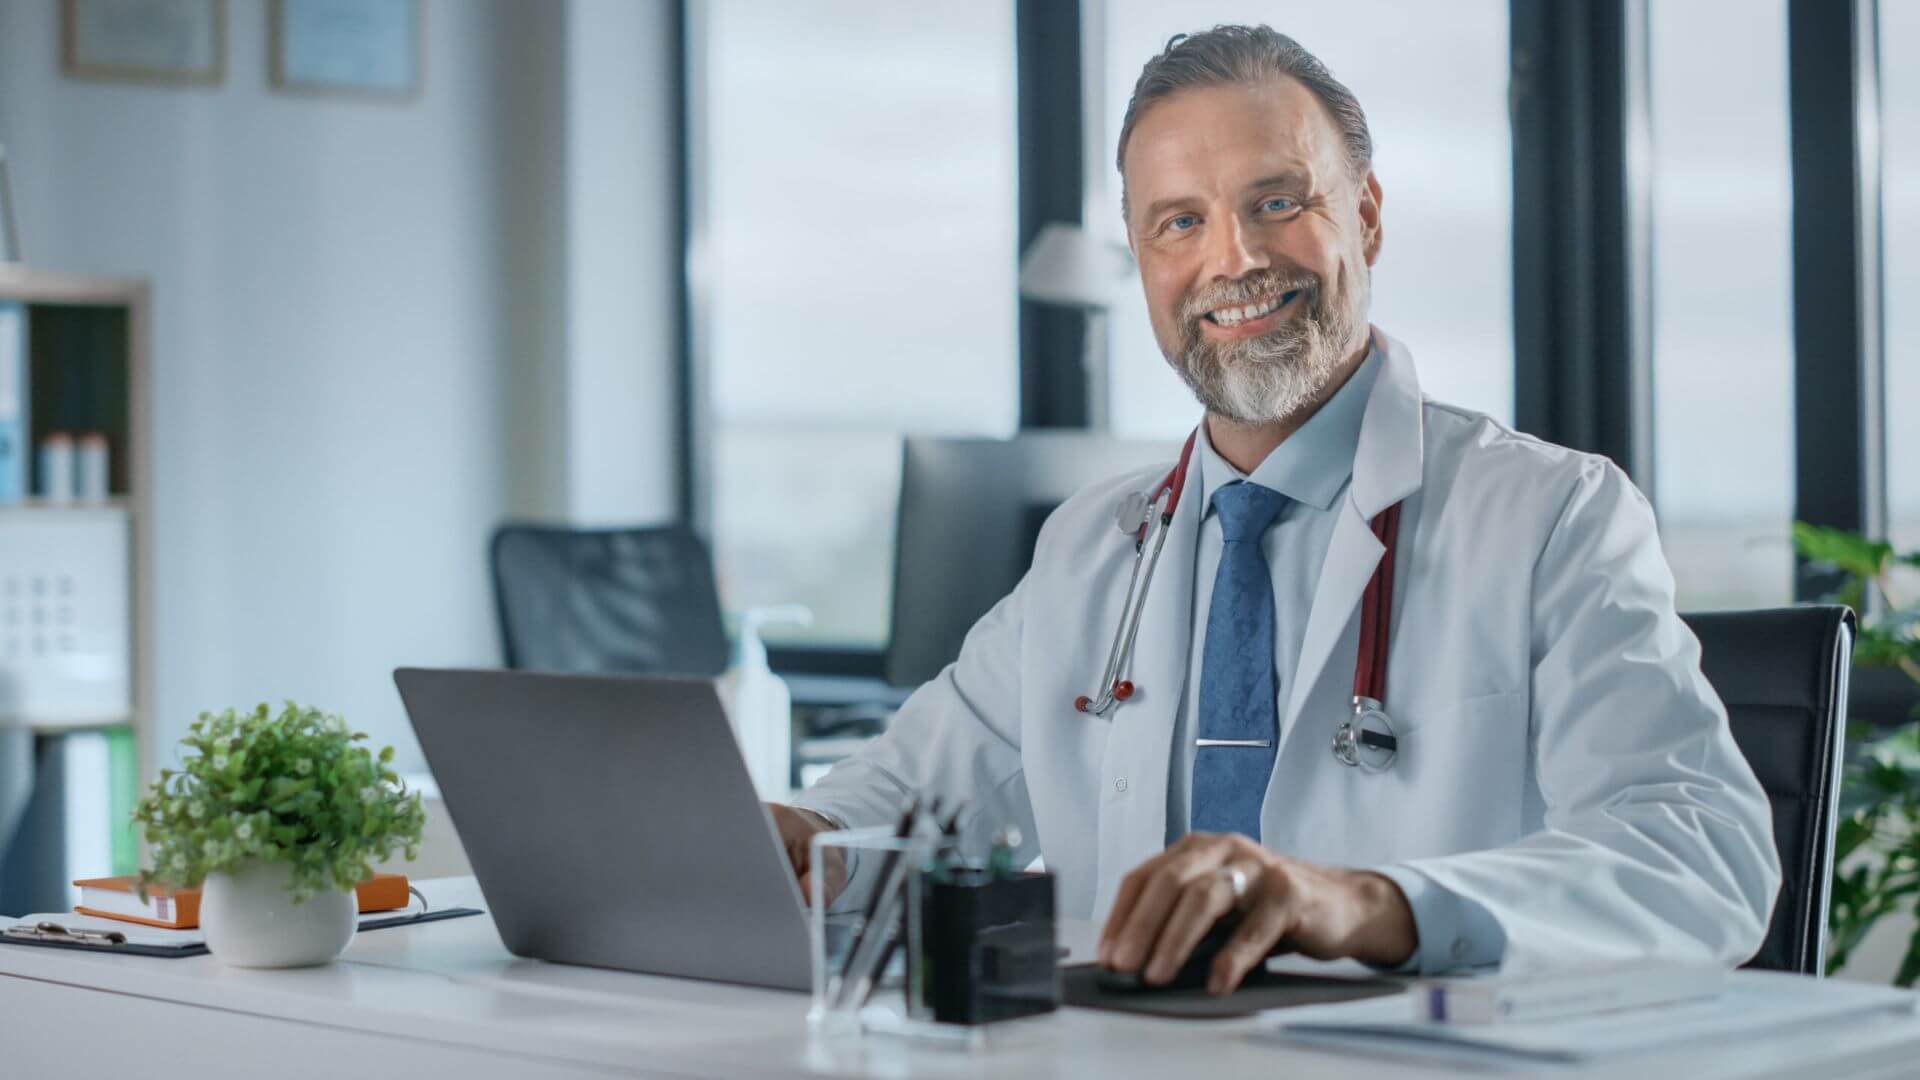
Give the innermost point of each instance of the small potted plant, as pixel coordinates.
(280, 817)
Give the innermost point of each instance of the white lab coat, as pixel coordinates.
(1563, 762)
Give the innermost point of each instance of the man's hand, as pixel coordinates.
(1168, 902)
(796, 835)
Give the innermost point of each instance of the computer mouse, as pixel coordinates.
(1192, 974)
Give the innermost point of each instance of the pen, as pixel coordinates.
(864, 941)
(949, 835)
(1000, 857)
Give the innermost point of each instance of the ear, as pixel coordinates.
(1370, 228)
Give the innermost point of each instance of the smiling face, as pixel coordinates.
(1254, 239)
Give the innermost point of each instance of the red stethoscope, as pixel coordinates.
(1366, 737)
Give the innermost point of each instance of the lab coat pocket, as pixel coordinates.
(1463, 772)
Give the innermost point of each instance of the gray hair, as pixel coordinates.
(1245, 55)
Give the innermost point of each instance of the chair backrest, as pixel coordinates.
(1783, 675)
(607, 600)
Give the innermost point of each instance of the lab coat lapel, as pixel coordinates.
(1133, 820)
(1386, 469)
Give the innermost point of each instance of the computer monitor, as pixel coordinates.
(970, 511)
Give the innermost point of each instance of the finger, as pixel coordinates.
(1265, 924)
(794, 843)
(1156, 902)
(1201, 903)
(806, 887)
(834, 867)
(1124, 901)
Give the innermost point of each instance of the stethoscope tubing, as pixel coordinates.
(1146, 556)
(1370, 669)
(1113, 688)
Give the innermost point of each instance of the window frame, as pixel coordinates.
(1582, 246)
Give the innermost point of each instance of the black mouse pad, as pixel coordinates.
(1080, 985)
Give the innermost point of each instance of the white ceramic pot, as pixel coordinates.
(251, 921)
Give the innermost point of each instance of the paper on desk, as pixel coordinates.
(1754, 1003)
(136, 933)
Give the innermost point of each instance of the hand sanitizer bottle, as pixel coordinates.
(758, 704)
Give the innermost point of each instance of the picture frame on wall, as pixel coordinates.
(180, 42)
(355, 48)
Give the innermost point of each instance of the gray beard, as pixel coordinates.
(1277, 375)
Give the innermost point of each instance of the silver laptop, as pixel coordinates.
(611, 822)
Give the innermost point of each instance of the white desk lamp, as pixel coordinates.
(1068, 266)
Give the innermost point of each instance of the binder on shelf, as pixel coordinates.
(15, 410)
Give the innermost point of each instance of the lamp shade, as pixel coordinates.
(1067, 265)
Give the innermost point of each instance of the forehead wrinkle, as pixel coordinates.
(1280, 171)
(1279, 124)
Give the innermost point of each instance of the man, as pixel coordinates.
(1565, 787)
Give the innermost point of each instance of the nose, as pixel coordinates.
(1234, 251)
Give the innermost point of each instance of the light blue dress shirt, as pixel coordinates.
(1312, 468)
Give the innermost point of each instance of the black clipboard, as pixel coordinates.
(376, 921)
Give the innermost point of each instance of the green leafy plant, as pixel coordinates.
(292, 788)
(1877, 839)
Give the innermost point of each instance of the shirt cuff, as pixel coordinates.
(1454, 932)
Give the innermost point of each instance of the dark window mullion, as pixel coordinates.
(1580, 248)
(1053, 384)
(1833, 91)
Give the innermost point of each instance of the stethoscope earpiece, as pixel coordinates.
(1131, 514)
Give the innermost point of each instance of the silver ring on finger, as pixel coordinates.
(1236, 879)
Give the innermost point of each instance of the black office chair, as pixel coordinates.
(1783, 675)
(607, 600)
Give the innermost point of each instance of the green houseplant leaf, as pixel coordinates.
(1841, 549)
(292, 788)
(1877, 839)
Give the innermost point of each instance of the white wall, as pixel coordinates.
(623, 258)
(362, 333)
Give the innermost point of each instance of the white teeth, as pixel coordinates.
(1234, 315)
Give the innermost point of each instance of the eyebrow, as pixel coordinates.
(1286, 178)
(1161, 206)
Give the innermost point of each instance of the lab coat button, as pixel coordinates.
(1119, 783)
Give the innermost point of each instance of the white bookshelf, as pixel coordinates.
(89, 355)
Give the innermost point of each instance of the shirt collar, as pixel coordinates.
(1312, 464)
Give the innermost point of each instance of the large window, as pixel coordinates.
(1900, 192)
(1723, 300)
(853, 265)
(853, 278)
(1433, 80)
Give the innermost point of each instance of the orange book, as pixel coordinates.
(179, 909)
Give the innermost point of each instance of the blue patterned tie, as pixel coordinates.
(1238, 696)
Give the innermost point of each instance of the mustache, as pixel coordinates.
(1255, 286)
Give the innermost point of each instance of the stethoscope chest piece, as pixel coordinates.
(1366, 739)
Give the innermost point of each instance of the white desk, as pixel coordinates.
(432, 999)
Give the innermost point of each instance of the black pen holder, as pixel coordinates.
(986, 947)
